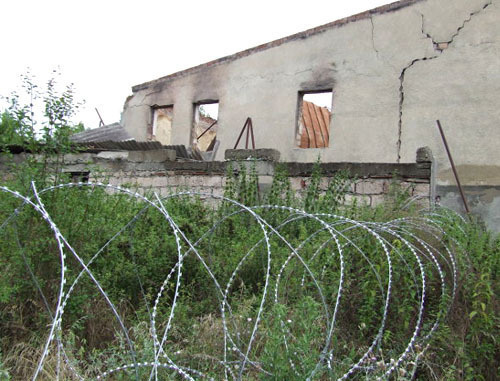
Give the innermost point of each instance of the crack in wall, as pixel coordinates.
(468, 20)
(434, 43)
(138, 105)
(373, 38)
(438, 46)
(441, 45)
(402, 98)
(380, 56)
(152, 93)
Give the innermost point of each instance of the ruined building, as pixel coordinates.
(389, 74)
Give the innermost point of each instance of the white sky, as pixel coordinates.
(105, 47)
(320, 99)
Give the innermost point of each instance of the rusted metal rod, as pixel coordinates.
(101, 123)
(251, 131)
(204, 132)
(466, 206)
(248, 134)
(241, 133)
(247, 126)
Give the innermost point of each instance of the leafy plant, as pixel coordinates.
(20, 126)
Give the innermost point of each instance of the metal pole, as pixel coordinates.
(251, 131)
(248, 134)
(453, 167)
(204, 132)
(241, 133)
(101, 123)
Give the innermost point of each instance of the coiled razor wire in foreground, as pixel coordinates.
(298, 295)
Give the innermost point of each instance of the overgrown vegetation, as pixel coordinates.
(38, 121)
(133, 267)
(215, 322)
(21, 126)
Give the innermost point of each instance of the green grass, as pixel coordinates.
(293, 331)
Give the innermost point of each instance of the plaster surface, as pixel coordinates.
(389, 76)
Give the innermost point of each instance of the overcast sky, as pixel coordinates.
(105, 47)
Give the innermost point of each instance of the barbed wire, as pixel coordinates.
(412, 246)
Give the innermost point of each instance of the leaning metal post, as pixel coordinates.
(453, 167)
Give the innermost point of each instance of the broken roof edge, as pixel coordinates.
(114, 131)
(272, 44)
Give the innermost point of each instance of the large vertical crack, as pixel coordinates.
(373, 37)
(402, 99)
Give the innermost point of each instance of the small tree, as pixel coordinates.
(46, 133)
(19, 126)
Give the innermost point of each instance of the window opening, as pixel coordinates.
(205, 126)
(313, 129)
(162, 124)
(79, 177)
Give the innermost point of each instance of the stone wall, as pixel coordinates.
(369, 189)
(371, 181)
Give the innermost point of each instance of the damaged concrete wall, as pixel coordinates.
(459, 83)
(393, 71)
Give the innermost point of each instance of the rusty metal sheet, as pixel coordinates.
(315, 123)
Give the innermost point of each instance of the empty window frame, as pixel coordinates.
(313, 122)
(79, 177)
(161, 130)
(204, 133)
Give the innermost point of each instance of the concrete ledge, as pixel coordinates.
(113, 155)
(153, 156)
(374, 170)
(268, 154)
(160, 162)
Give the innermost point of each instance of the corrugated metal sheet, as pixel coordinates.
(180, 151)
(111, 132)
(132, 145)
(315, 123)
(128, 145)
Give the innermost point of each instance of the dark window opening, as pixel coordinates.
(205, 126)
(313, 122)
(79, 177)
(161, 130)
